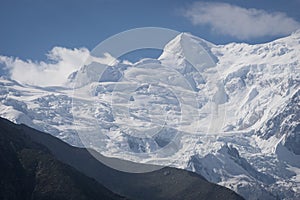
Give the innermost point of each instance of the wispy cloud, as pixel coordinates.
(239, 22)
(62, 62)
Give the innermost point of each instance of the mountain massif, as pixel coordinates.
(229, 113)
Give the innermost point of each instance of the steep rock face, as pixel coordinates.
(286, 123)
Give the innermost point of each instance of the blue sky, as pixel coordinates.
(31, 28)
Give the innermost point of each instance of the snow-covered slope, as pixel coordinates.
(228, 112)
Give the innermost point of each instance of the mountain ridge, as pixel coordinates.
(29, 171)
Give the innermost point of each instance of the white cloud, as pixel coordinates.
(106, 59)
(62, 62)
(239, 22)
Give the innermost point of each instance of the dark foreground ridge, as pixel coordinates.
(36, 165)
(28, 171)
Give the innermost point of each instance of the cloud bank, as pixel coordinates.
(238, 22)
(62, 62)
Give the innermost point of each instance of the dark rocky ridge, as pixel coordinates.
(28, 170)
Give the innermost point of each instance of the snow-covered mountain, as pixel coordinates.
(228, 112)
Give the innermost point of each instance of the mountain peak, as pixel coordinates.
(183, 40)
(187, 48)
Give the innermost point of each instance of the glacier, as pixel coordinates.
(233, 118)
